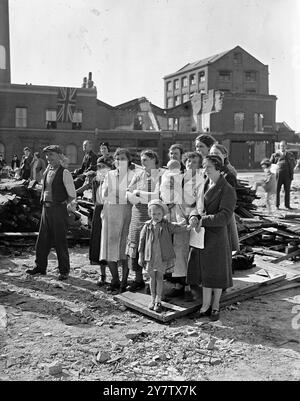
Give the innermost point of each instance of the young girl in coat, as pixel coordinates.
(156, 251)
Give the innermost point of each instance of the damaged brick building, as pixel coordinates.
(226, 95)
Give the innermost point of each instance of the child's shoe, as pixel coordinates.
(158, 307)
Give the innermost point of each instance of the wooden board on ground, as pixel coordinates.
(243, 282)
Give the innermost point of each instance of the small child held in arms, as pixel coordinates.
(156, 251)
(268, 183)
(171, 187)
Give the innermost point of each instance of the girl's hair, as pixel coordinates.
(192, 155)
(104, 144)
(151, 154)
(215, 160)
(223, 150)
(208, 140)
(124, 151)
(177, 146)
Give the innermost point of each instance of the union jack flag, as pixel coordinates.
(66, 102)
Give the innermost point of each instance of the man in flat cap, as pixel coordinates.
(58, 190)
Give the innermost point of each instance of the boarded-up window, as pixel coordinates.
(71, 153)
(2, 58)
(239, 122)
(21, 117)
(258, 122)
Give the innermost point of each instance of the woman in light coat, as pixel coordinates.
(116, 216)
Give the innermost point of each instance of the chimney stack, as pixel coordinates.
(90, 81)
(4, 43)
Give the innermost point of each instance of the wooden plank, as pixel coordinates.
(292, 271)
(249, 235)
(243, 282)
(140, 302)
(268, 252)
(281, 232)
(287, 256)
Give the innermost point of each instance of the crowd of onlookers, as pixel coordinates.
(175, 221)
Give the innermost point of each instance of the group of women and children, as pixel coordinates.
(176, 221)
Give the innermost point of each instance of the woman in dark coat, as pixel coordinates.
(215, 258)
(229, 174)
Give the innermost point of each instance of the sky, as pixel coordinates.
(130, 45)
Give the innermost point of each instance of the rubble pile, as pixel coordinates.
(245, 198)
(20, 211)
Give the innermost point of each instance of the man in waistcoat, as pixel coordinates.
(58, 190)
(285, 162)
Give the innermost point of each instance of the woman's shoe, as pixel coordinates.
(157, 307)
(205, 314)
(151, 305)
(215, 315)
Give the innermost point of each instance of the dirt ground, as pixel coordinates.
(73, 330)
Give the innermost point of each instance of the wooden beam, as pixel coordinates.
(287, 256)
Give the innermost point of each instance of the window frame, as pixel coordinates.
(21, 118)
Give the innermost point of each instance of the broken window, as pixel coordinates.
(192, 79)
(169, 102)
(239, 122)
(258, 122)
(250, 76)
(184, 82)
(202, 76)
(176, 100)
(225, 75)
(237, 58)
(185, 98)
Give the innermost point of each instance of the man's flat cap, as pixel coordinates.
(52, 148)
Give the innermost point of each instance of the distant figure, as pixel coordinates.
(38, 166)
(25, 165)
(175, 153)
(268, 183)
(2, 162)
(89, 163)
(15, 162)
(285, 162)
